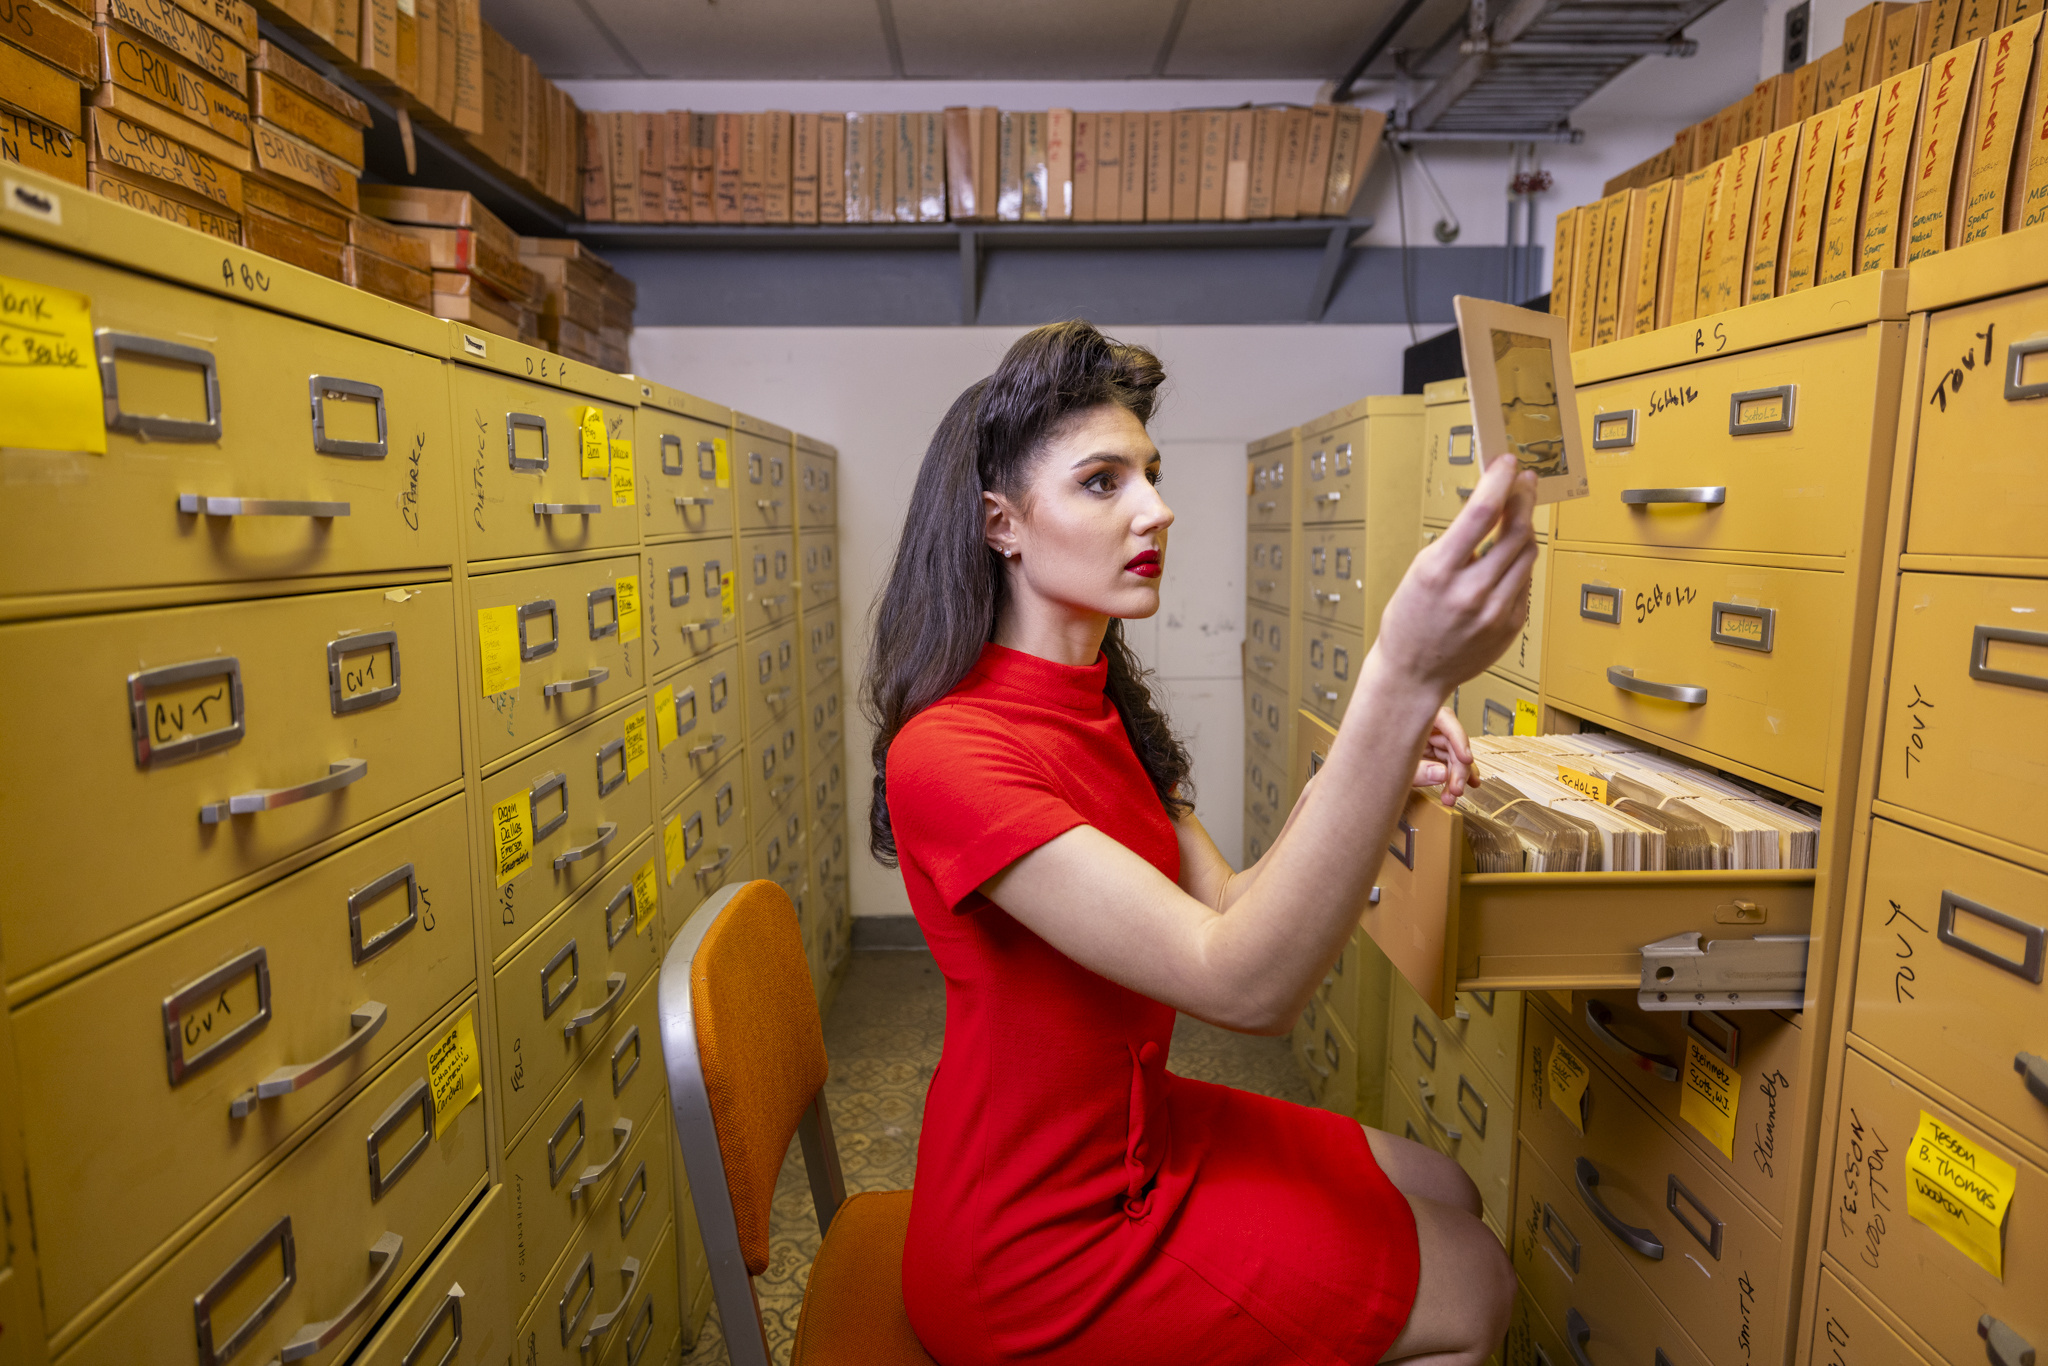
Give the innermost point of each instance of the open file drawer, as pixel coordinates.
(1447, 930)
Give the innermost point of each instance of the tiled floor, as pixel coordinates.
(883, 1040)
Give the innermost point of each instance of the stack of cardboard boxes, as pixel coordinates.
(47, 60)
(573, 280)
(477, 276)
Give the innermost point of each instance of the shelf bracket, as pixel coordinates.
(970, 276)
(1335, 249)
(1767, 972)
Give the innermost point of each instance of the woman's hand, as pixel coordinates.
(1447, 758)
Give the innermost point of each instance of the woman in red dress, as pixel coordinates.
(1075, 1201)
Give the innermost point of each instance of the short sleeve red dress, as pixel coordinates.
(1075, 1201)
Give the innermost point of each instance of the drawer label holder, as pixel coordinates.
(1767, 972)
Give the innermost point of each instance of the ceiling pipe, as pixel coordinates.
(1379, 44)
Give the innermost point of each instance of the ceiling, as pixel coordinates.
(959, 39)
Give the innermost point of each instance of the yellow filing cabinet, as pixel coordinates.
(1268, 581)
(827, 788)
(1266, 725)
(682, 462)
(21, 1313)
(1847, 1332)
(817, 483)
(775, 777)
(822, 750)
(689, 612)
(781, 854)
(768, 582)
(817, 554)
(762, 475)
(769, 663)
(1469, 1112)
(1489, 704)
(1271, 481)
(824, 732)
(696, 715)
(653, 1321)
(459, 1311)
(1266, 635)
(1328, 1058)
(1341, 453)
(585, 1310)
(820, 644)
(704, 842)
(1450, 460)
(1331, 657)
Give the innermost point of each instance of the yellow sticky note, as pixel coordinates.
(511, 837)
(1565, 1076)
(622, 474)
(455, 1071)
(1525, 717)
(1589, 784)
(721, 459)
(726, 592)
(1961, 1189)
(627, 597)
(497, 638)
(636, 745)
(596, 448)
(672, 846)
(664, 716)
(1709, 1092)
(645, 893)
(49, 371)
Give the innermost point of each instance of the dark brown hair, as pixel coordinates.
(946, 586)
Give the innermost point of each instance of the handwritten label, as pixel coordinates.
(664, 716)
(636, 745)
(1961, 1190)
(497, 638)
(1710, 1091)
(1755, 410)
(672, 847)
(721, 459)
(726, 598)
(49, 375)
(1740, 626)
(1565, 1078)
(626, 602)
(1950, 381)
(1589, 784)
(645, 897)
(1525, 717)
(511, 837)
(1915, 743)
(622, 474)
(1659, 596)
(1676, 396)
(596, 445)
(455, 1071)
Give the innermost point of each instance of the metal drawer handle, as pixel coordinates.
(711, 746)
(776, 601)
(340, 774)
(451, 1311)
(1980, 655)
(534, 611)
(622, 1134)
(2036, 937)
(1268, 505)
(530, 422)
(598, 674)
(1464, 491)
(384, 1257)
(615, 988)
(2002, 1345)
(1320, 596)
(1710, 1238)
(712, 870)
(1329, 497)
(2034, 1068)
(781, 789)
(1707, 495)
(2015, 362)
(567, 509)
(629, 1271)
(777, 696)
(200, 504)
(324, 387)
(1429, 1112)
(1577, 1333)
(420, 1097)
(605, 832)
(825, 663)
(696, 502)
(708, 624)
(766, 503)
(1641, 1239)
(109, 344)
(361, 950)
(363, 1023)
(1600, 1019)
(1626, 680)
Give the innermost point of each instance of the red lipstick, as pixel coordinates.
(1145, 564)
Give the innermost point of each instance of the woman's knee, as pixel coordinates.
(1423, 1171)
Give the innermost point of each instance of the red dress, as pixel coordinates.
(1075, 1201)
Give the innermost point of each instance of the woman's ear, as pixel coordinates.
(999, 524)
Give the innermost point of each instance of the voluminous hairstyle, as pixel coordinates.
(946, 586)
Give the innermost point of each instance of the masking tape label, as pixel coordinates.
(645, 897)
(672, 847)
(626, 595)
(636, 745)
(511, 837)
(1710, 1091)
(664, 716)
(497, 638)
(455, 1072)
(623, 495)
(1565, 1077)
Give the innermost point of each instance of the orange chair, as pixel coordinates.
(746, 1068)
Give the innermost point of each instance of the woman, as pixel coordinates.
(1075, 1202)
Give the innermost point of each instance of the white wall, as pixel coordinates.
(876, 393)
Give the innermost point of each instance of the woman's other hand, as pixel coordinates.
(1447, 758)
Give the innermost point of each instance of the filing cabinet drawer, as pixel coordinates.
(1403, 1116)
(1531, 1340)
(769, 663)
(577, 654)
(828, 861)
(459, 1312)
(686, 619)
(824, 730)
(1488, 704)
(1473, 1120)
(1341, 985)
(1269, 482)
(21, 1308)
(703, 706)
(675, 463)
(1266, 725)
(1259, 833)
(584, 1305)
(823, 752)
(768, 579)
(1346, 575)
(1681, 461)
(1331, 658)
(1523, 660)
(1488, 1024)
(704, 841)
(1648, 1049)
(761, 472)
(1968, 709)
(654, 1320)
(523, 487)
(1265, 654)
(581, 1152)
(1938, 1291)
(560, 993)
(1328, 1058)
(1269, 575)
(1733, 660)
(1333, 465)
(1847, 1333)
(782, 856)
(1450, 460)
(1949, 972)
(1264, 792)
(1977, 487)
(217, 740)
(817, 556)
(820, 645)
(826, 785)
(582, 811)
(817, 486)
(279, 1004)
(775, 777)
(297, 449)
(1656, 1208)
(326, 1239)
(1577, 1279)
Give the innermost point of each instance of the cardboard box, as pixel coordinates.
(1265, 163)
(1899, 41)
(1059, 167)
(52, 34)
(1945, 122)
(154, 200)
(1109, 167)
(1130, 195)
(2008, 66)
(1293, 152)
(1033, 175)
(858, 130)
(33, 86)
(386, 278)
(288, 108)
(1696, 194)
(1009, 168)
(1775, 178)
(1158, 165)
(1889, 185)
(832, 168)
(469, 68)
(392, 243)
(42, 147)
(1563, 253)
(169, 25)
(280, 154)
(1809, 201)
(1842, 233)
(313, 212)
(986, 126)
(289, 242)
(903, 170)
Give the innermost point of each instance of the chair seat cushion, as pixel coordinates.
(853, 1308)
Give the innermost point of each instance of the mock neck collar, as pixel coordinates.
(1079, 687)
